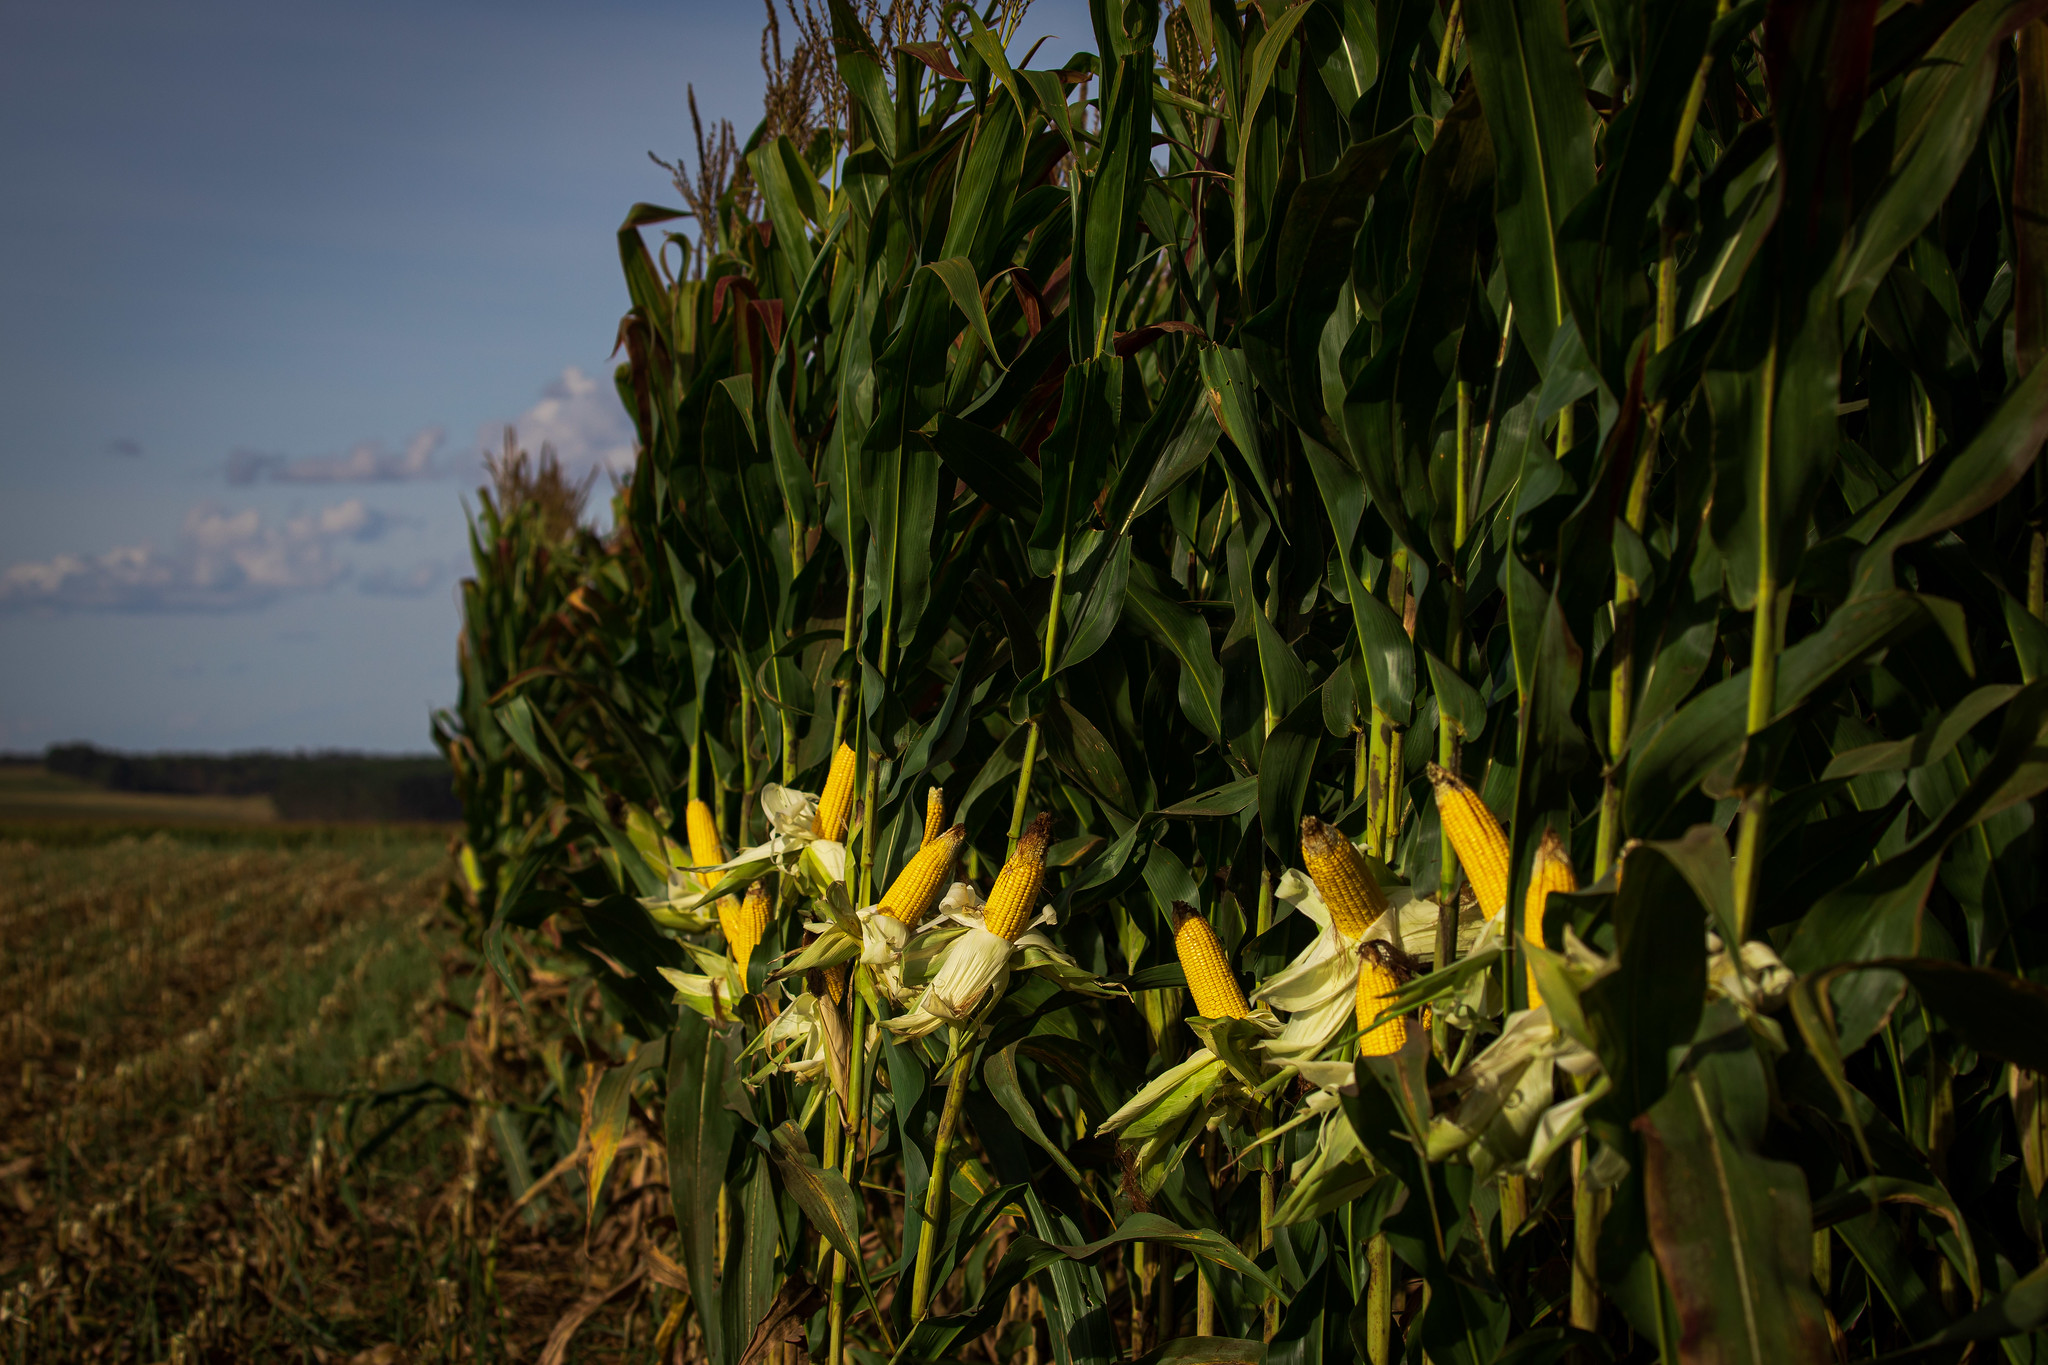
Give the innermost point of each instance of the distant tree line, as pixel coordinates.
(303, 786)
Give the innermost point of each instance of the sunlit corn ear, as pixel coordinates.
(744, 922)
(1342, 879)
(1479, 841)
(1016, 890)
(924, 878)
(1210, 980)
(837, 803)
(1377, 983)
(934, 814)
(705, 848)
(1553, 872)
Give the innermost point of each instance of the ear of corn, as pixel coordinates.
(744, 921)
(1480, 842)
(924, 878)
(1210, 980)
(706, 850)
(1553, 872)
(1342, 879)
(1016, 890)
(834, 980)
(934, 814)
(1376, 984)
(837, 802)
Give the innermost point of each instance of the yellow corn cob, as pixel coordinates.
(923, 880)
(1376, 982)
(1210, 980)
(743, 922)
(835, 982)
(934, 814)
(837, 802)
(1015, 894)
(1479, 841)
(705, 848)
(1342, 879)
(1553, 872)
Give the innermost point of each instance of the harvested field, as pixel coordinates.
(248, 1115)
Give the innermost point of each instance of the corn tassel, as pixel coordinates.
(1481, 843)
(1376, 985)
(1210, 980)
(1553, 872)
(1015, 894)
(1342, 879)
(837, 803)
(934, 814)
(924, 878)
(744, 922)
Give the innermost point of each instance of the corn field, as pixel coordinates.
(1343, 681)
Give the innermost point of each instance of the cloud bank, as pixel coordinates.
(367, 462)
(222, 561)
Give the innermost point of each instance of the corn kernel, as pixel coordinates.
(1553, 872)
(1210, 980)
(1377, 984)
(1346, 884)
(836, 805)
(1015, 894)
(924, 878)
(744, 922)
(1477, 838)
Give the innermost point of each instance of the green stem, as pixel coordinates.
(1052, 639)
(832, 1150)
(1621, 689)
(739, 827)
(1588, 1208)
(1269, 1184)
(846, 689)
(1376, 785)
(1763, 691)
(935, 1192)
(836, 1352)
(856, 1078)
(696, 751)
(1681, 149)
(1514, 1205)
(1391, 809)
(1453, 25)
(1379, 1301)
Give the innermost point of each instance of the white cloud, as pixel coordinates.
(387, 581)
(366, 462)
(223, 561)
(581, 418)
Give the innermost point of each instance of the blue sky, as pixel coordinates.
(270, 276)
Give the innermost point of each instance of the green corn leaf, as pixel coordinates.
(700, 1132)
(1729, 1225)
(1264, 58)
(1542, 135)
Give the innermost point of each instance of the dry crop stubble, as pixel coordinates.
(253, 1148)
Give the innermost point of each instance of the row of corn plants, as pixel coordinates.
(1340, 681)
